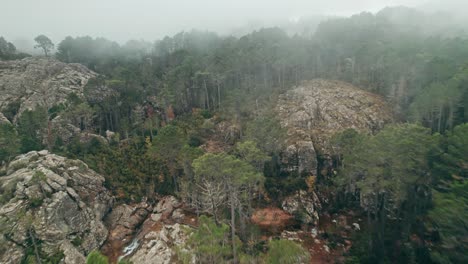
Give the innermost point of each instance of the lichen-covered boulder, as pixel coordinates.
(52, 205)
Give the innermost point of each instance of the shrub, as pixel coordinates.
(286, 252)
(95, 257)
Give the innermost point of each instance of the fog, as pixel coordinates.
(122, 20)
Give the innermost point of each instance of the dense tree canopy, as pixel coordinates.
(210, 242)
(390, 174)
(408, 65)
(193, 115)
(449, 219)
(224, 177)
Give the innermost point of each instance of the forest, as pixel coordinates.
(408, 181)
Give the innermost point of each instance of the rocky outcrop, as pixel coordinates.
(164, 230)
(124, 222)
(299, 156)
(53, 206)
(35, 81)
(304, 206)
(312, 114)
(144, 234)
(316, 110)
(159, 246)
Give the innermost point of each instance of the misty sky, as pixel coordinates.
(122, 20)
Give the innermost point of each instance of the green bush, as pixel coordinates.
(9, 142)
(286, 252)
(77, 241)
(8, 191)
(206, 114)
(35, 202)
(95, 257)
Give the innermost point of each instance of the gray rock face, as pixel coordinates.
(129, 217)
(300, 156)
(40, 81)
(160, 230)
(303, 205)
(316, 110)
(53, 202)
(159, 246)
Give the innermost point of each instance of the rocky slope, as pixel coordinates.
(33, 81)
(148, 234)
(316, 110)
(50, 207)
(312, 114)
(57, 208)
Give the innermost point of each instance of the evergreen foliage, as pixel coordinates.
(286, 252)
(95, 257)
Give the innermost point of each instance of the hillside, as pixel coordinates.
(346, 142)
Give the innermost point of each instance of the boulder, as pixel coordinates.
(166, 207)
(293, 235)
(109, 135)
(304, 206)
(356, 226)
(57, 201)
(178, 214)
(166, 204)
(300, 156)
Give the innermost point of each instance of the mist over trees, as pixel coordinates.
(381, 53)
